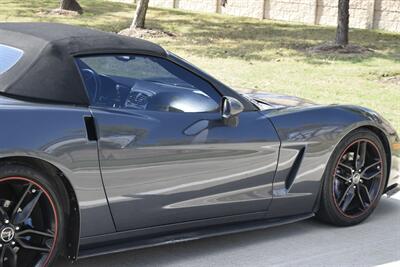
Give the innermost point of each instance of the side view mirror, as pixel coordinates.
(230, 109)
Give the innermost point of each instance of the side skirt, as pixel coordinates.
(391, 190)
(194, 234)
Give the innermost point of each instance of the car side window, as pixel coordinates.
(9, 56)
(145, 83)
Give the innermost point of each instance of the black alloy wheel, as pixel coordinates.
(29, 219)
(354, 180)
(358, 176)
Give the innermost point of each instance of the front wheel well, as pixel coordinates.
(381, 135)
(68, 198)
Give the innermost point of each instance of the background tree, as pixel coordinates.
(342, 32)
(140, 14)
(71, 5)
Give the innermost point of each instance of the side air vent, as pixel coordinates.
(90, 128)
(295, 169)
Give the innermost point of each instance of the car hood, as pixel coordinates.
(265, 100)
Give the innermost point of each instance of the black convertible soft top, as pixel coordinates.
(47, 71)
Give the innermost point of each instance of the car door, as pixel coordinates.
(166, 155)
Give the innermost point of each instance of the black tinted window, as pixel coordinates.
(9, 56)
(145, 83)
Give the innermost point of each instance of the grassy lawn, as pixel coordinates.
(250, 53)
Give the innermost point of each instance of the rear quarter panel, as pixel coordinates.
(57, 135)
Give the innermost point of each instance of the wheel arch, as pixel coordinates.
(69, 199)
(382, 137)
(385, 141)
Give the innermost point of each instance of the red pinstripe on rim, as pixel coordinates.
(337, 165)
(17, 178)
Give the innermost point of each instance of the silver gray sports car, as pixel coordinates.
(110, 143)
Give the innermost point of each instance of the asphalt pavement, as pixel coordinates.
(308, 243)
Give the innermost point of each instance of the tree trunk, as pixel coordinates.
(71, 5)
(342, 32)
(140, 14)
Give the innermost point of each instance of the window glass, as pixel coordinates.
(9, 56)
(145, 83)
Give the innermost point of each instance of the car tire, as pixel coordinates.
(354, 179)
(31, 212)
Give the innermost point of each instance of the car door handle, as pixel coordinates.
(90, 128)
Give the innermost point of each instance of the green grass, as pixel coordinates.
(250, 53)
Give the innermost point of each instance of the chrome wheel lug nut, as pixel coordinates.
(1, 245)
(17, 228)
(33, 191)
(354, 187)
(6, 221)
(12, 243)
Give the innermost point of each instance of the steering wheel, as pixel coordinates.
(92, 82)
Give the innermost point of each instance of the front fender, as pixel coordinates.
(315, 131)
